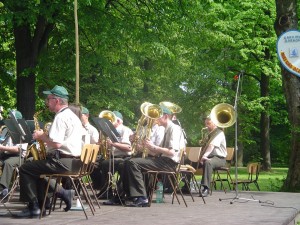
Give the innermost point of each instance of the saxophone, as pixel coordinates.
(37, 149)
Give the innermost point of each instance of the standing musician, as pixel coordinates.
(9, 159)
(168, 158)
(63, 154)
(213, 154)
(119, 151)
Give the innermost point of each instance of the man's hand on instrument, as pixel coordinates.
(132, 137)
(149, 145)
(38, 134)
(109, 142)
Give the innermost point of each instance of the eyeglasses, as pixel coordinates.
(48, 99)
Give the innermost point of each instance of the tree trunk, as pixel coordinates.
(265, 124)
(27, 52)
(287, 19)
(25, 77)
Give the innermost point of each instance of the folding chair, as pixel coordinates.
(253, 173)
(88, 157)
(174, 179)
(193, 154)
(87, 179)
(224, 169)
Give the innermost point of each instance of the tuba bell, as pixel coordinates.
(223, 115)
(171, 106)
(108, 115)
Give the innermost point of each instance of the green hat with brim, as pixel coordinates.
(118, 114)
(59, 91)
(84, 110)
(166, 110)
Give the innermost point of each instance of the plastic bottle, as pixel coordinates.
(159, 192)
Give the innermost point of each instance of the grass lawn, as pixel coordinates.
(268, 181)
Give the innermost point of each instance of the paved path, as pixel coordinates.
(246, 208)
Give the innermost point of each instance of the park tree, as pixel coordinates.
(287, 19)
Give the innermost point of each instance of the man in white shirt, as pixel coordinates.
(63, 153)
(214, 154)
(91, 134)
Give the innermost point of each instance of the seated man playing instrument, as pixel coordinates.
(64, 145)
(168, 154)
(213, 154)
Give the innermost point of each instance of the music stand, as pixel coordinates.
(107, 128)
(31, 125)
(236, 148)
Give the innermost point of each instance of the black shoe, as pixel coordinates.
(28, 213)
(113, 201)
(204, 192)
(67, 196)
(139, 202)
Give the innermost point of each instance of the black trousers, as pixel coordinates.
(32, 187)
(133, 178)
(100, 175)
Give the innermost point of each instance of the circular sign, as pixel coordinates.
(288, 47)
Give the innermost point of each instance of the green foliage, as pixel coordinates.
(186, 52)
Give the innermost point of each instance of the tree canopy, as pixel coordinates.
(186, 52)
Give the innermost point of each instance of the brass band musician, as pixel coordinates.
(63, 154)
(9, 159)
(168, 158)
(156, 137)
(119, 151)
(91, 134)
(214, 154)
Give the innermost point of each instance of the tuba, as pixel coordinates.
(150, 112)
(171, 106)
(38, 149)
(109, 115)
(222, 115)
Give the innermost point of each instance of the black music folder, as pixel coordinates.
(18, 130)
(107, 128)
